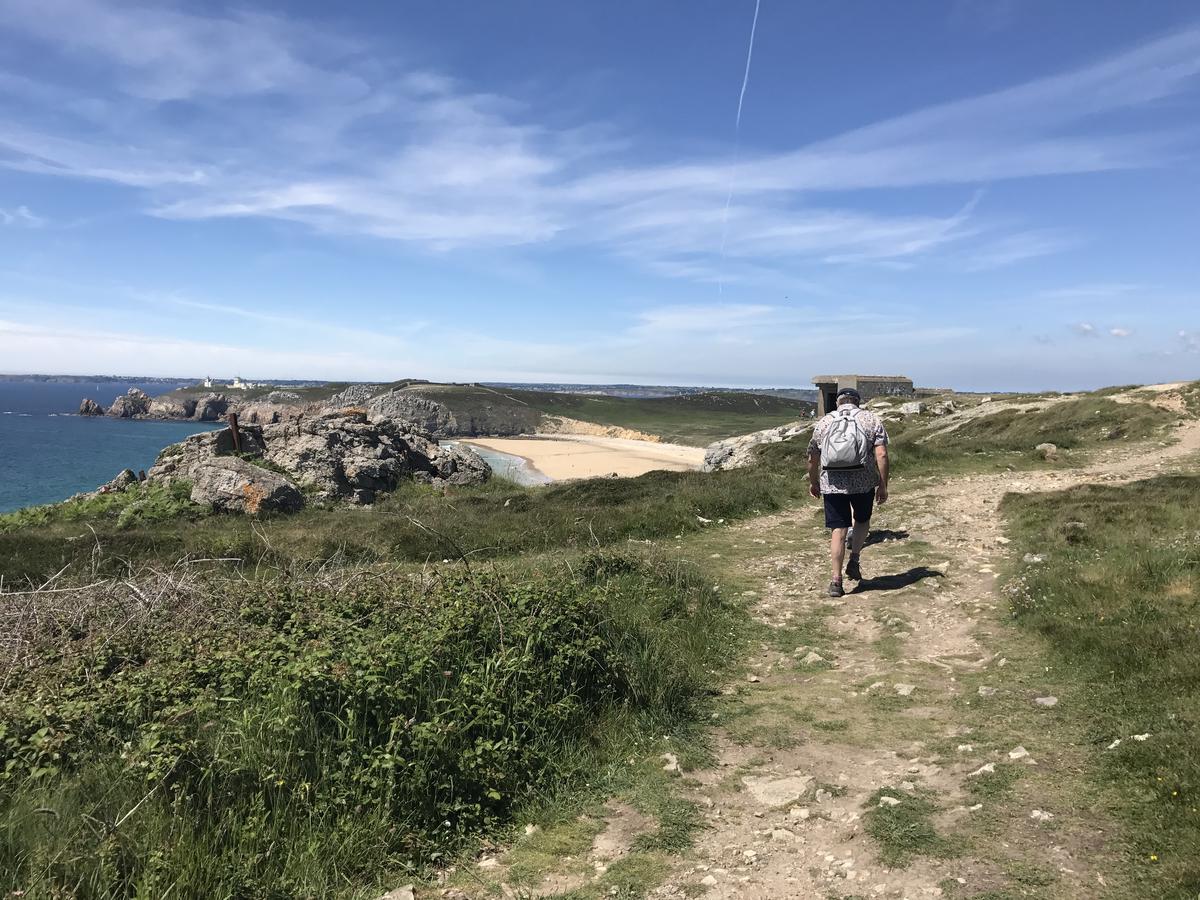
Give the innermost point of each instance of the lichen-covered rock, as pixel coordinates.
(736, 452)
(134, 402)
(1048, 451)
(915, 408)
(90, 407)
(180, 461)
(231, 484)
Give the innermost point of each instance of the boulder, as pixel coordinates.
(168, 407)
(125, 478)
(181, 461)
(231, 484)
(915, 408)
(943, 407)
(736, 452)
(1047, 450)
(90, 407)
(134, 402)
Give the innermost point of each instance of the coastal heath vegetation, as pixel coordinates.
(326, 732)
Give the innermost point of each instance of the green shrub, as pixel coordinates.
(289, 739)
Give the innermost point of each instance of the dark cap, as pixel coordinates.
(851, 393)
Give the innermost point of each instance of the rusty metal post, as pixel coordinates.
(233, 429)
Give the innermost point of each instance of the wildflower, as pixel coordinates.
(1153, 857)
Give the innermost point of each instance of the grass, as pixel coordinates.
(905, 830)
(301, 737)
(415, 524)
(1118, 599)
(1007, 438)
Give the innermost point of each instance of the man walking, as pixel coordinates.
(848, 466)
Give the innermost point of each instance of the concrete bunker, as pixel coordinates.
(868, 386)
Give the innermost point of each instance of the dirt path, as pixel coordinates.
(904, 741)
(918, 689)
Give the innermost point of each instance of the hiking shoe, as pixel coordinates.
(853, 570)
(836, 589)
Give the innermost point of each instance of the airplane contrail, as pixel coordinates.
(737, 146)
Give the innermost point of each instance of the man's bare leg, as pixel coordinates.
(837, 551)
(858, 537)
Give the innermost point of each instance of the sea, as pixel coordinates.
(48, 452)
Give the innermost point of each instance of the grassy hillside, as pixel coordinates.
(696, 419)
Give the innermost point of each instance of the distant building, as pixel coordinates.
(207, 382)
(238, 385)
(868, 386)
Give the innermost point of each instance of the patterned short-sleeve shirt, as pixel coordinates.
(855, 481)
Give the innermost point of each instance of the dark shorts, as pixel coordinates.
(839, 506)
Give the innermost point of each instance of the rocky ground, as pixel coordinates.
(904, 741)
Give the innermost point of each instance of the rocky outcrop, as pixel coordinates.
(231, 484)
(421, 413)
(133, 403)
(736, 452)
(169, 406)
(915, 408)
(348, 456)
(355, 395)
(211, 407)
(90, 407)
(330, 456)
(125, 479)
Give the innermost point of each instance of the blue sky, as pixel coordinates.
(977, 193)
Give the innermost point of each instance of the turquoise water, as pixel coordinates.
(47, 453)
(509, 467)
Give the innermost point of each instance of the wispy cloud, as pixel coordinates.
(1120, 332)
(20, 216)
(293, 122)
(1085, 329)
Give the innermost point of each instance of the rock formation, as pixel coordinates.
(90, 407)
(171, 407)
(231, 484)
(736, 452)
(330, 456)
(423, 414)
(134, 402)
(211, 407)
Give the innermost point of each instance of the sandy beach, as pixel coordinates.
(565, 456)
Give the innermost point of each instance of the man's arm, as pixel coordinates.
(881, 462)
(814, 474)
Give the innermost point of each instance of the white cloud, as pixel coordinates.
(294, 122)
(20, 216)
(1085, 329)
(1119, 332)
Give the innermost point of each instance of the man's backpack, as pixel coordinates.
(845, 445)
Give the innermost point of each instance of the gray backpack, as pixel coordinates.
(845, 444)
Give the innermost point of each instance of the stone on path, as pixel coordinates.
(777, 791)
(1046, 701)
(904, 690)
(400, 893)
